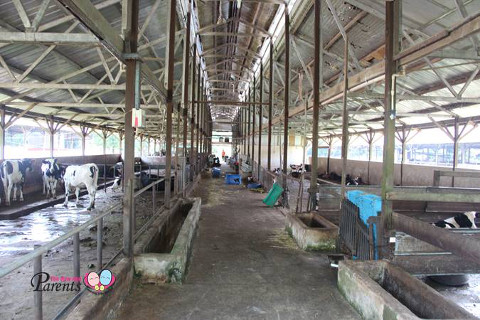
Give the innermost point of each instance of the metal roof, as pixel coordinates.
(233, 36)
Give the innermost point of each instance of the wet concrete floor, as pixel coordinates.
(244, 266)
(18, 236)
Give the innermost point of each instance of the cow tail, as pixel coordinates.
(94, 172)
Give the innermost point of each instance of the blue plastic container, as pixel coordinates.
(216, 172)
(233, 179)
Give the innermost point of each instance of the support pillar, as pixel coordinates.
(287, 103)
(170, 60)
(2, 132)
(131, 99)
(456, 138)
(186, 64)
(312, 204)
(270, 110)
(253, 122)
(192, 119)
(345, 135)
(197, 124)
(260, 122)
(249, 116)
(392, 46)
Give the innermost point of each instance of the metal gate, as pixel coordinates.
(354, 233)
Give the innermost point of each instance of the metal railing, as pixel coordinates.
(354, 233)
(74, 234)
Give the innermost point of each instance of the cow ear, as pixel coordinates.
(44, 161)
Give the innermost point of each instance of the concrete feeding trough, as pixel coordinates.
(312, 231)
(380, 290)
(162, 252)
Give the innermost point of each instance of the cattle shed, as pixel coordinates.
(239, 159)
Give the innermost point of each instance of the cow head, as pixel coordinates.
(27, 164)
(50, 165)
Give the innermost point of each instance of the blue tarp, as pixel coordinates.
(369, 205)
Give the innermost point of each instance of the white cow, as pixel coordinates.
(84, 176)
(51, 173)
(13, 175)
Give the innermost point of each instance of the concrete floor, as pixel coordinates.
(244, 266)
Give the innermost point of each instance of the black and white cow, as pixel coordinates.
(462, 220)
(51, 173)
(84, 176)
(13, 174)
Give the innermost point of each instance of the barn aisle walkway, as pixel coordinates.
(243, 267)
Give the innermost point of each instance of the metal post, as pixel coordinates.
(2, 132)
(270, 110)
(316, 107)
(76, 255)
(253, 122)
(104, 141)
(154, 199)
(170, 77)
(345, 118)
(52, 136)
(248, 124)
(392, 45)
(186, 64)
(37, 295)
(120, 142)
(84, 135)
(99, 244)
(177, 142)
(260, 122)
(287, 97)
(456, 138)
(129, 153)
(192, 119)
(370, 136)
(197, 124)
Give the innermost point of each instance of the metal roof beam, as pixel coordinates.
(71, 86)
(91, 17)
(49, 38)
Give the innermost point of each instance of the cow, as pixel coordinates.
(462, 220)
(51, 173)
(117, 184)
(13, 174)
(83, 176)
(351, 181)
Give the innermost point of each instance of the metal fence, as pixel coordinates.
(74, 235)
(354, 233)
